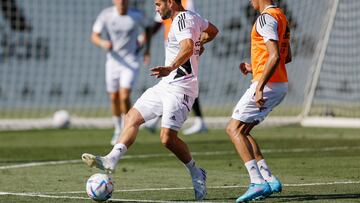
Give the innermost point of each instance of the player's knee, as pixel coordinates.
(132, 119)
(124, 94)
(125, 98)
(231, 129)
(235, 130)
(114, 99)
(166, 140)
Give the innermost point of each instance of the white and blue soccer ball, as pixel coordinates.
(99, 187)
(61, 119)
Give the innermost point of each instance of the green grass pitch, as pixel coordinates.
(314, 164)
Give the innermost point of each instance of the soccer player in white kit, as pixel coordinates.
(199, 125)
(173, 96)
(120, 25)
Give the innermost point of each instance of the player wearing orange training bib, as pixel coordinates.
(270, 51)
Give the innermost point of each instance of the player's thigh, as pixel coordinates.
(246, 106)
(134, 117)
(112, 76)
(149, 104)
(175, 110)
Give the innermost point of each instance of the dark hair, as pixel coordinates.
(176, 1)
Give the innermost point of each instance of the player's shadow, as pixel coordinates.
(289, 198)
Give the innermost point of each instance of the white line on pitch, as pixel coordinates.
(296, 150)
(48, 195)
(215, 187)
(84, 198)
(39, 164)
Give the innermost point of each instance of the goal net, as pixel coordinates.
(47, 61)
(333, 92)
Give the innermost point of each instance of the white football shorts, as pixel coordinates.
(120, 74)
(158, 101)
(246, 110)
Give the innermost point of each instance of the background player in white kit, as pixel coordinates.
(173, 96)
(121, 28)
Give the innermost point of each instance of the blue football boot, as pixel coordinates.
(255, 192)
(275, 185)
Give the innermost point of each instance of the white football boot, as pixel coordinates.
(199, 183)
(99, 162)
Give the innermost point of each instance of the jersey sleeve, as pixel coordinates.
(267, 26)
(204, 24)
(184, 29)
(99, 23)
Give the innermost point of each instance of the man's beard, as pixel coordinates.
(167, 15)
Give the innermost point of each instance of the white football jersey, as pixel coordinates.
(186, 25)
(121, 30)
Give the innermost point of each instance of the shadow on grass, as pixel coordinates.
(288, 198)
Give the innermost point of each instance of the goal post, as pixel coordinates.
(333, 96)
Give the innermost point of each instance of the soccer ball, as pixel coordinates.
(99, 187)
(61, 119)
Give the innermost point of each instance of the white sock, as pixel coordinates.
(116, 153)
(193, 170)
(253, 170)
(117, 121)
(265, 170)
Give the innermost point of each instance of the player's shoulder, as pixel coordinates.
(271, 14)
(188, 16)
(265, 19)
(107, 11)
(184, 15)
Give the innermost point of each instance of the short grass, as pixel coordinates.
(315, 164)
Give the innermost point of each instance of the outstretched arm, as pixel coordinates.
(98, 41)
(208, 35)
(186, 51)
